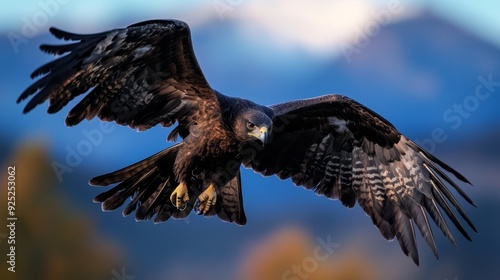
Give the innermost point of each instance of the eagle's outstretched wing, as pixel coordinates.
(343, 150)
(140, 76)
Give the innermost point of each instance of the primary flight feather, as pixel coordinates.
(147, 74)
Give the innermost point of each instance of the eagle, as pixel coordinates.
(147, 74)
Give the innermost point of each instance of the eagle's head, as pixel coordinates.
(253, 126)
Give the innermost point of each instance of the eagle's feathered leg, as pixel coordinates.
(180, 196)
(206, 200)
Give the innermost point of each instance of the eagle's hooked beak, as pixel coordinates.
(261, 134)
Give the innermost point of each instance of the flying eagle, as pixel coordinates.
(147, 74)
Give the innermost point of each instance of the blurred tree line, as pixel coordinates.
(53, 240)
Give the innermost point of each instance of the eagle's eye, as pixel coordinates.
(250, 126)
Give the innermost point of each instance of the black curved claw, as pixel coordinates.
(197, 207)
(183, 206)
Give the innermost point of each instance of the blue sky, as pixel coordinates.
(479, 17)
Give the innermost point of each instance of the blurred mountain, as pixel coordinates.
(411, 72)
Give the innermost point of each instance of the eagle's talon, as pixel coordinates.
(196, 206)
(180, 197)
(183, 206)
(206, 201)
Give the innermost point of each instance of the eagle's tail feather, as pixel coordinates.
(229, 205)
(149, 184)
(126, 172)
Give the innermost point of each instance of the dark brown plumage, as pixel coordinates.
(147, 74)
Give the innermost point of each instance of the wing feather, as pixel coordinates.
(149, 184)
(343, 150)
(139, 76)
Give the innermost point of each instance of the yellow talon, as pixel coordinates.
(180, 197)
(206, 200)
